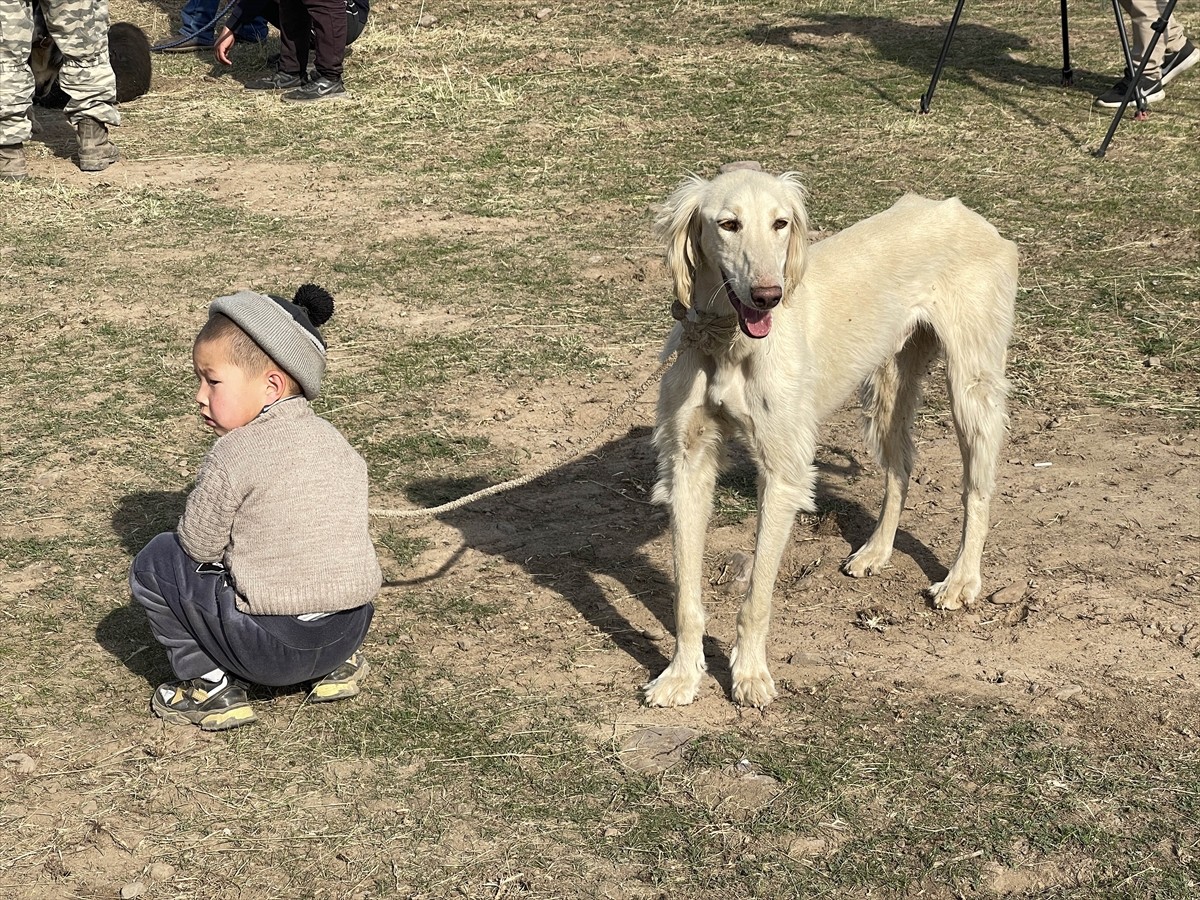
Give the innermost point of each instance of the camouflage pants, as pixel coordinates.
(80, 28)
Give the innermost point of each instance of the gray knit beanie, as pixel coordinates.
(286, 330)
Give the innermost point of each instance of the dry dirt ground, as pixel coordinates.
(1093, 570)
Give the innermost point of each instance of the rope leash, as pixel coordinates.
(633, 396)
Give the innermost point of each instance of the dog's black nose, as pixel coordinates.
(766, 297)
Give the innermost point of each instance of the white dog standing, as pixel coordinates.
(774, 335)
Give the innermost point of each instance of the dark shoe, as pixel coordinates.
(1152, 91)
(280, 81)
(181, 44)
(1175, 64)
(96, 151)
(319, 88)
(12, 163)
(212, 706)
(342, 682)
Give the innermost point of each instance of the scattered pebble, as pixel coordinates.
(160, 871)
(651, 751)
(21, 763)
(544, 13)
(133, 889)
(427, 21)
(1153, 362)
(1009, 595)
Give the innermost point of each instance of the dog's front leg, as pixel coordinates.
(687, 477)
(779, 501)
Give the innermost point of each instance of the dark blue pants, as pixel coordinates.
(193, 614)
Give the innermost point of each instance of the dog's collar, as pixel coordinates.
(710, 332)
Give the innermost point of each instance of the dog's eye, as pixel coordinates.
(781, 224)
(730, 225)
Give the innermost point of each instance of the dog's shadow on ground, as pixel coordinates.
(583, 528)
(576, 531)
(837, 465)
(124, 632)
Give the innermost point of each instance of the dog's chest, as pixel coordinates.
(726, 394)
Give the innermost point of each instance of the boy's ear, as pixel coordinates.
(277, 385)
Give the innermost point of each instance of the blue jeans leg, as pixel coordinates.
(195, 20)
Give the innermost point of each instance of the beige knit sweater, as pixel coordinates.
(282, 502)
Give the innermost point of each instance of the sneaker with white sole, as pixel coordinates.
(319, 88)
(342, 682)
(1152, 92)
(1175, 64)
(213, 706)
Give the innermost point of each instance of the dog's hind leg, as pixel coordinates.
(890, 399)
(688, 462)
(977, 402)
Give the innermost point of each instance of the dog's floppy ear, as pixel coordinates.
(797, 253)
(678, 227)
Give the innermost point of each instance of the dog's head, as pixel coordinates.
(743, 236)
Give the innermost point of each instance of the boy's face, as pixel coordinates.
(229, 397)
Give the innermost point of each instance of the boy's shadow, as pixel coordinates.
(124, 632)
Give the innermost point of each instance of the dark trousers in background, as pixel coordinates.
(319, 25)
(193, 613)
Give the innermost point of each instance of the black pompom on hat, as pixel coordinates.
(286, 330)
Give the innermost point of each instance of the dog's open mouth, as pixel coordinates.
(755, 323)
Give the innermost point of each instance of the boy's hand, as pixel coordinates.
(223, 44)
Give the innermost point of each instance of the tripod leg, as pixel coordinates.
(1159, 27)
(927, 97)
(1068, 74)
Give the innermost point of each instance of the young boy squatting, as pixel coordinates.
(270, 574)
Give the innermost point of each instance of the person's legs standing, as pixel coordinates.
(1142, 16)
(16, 86)
(328, 19)
(80, 29)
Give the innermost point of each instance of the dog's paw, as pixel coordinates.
(671, 689)
(954, 592)
(756, 690)
(866, 561)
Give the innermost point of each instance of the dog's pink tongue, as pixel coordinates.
(758, 323)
